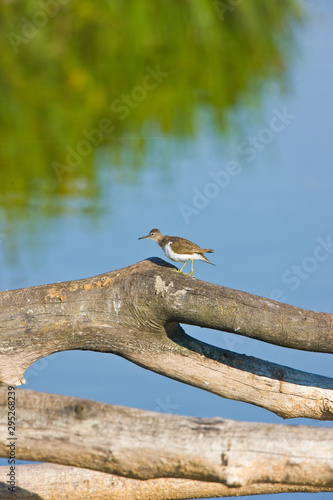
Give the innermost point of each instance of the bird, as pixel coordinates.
(179, 249)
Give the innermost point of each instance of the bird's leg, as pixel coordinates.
(191, 272)
(181, 270)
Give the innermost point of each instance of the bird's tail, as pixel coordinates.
(205, 258)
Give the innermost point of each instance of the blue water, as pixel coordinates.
(265, 220)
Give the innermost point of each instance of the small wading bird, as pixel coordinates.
(179, 249)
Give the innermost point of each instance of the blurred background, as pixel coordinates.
(208, 119)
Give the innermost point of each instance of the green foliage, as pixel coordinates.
(69, 67)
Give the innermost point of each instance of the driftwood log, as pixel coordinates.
(55, 482)
(136, 313)
(146, 445)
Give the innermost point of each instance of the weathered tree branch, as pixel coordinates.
(135, 312)
(52, 482)
(146, 445)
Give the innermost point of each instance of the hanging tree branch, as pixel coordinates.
(135, 312)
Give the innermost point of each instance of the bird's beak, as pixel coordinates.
(143, 237)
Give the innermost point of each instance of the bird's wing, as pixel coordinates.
(180, 245)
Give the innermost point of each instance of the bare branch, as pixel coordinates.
(135, 312)
(51, 482)
(146, 445)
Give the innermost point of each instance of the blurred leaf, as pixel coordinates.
(78, 75)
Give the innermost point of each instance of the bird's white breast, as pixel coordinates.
(180, 257)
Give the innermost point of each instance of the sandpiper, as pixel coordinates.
(179, 249)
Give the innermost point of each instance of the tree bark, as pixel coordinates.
(146, 445)
(135, 312)
(53, 482)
